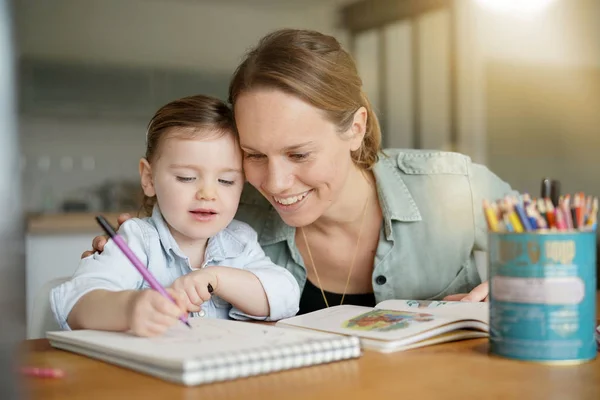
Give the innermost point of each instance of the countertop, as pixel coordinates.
(72, 222)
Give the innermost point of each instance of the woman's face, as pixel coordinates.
(293, 154)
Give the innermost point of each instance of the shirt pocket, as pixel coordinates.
(460, 284)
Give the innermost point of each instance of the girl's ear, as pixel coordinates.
(358, 128)
(146, 178)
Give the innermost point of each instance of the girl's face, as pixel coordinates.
(293, 154)
(197, 181)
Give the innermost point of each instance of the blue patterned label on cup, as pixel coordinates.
(543, 296)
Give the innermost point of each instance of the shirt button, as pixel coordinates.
(380, 280)
(202, 313)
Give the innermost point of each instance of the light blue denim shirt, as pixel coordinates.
(433, 221)
(150, 239)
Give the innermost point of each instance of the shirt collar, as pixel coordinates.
(167, 240)
(395, 199)
(215, 248)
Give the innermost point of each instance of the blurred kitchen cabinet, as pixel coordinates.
(50, 256)
(72, 89)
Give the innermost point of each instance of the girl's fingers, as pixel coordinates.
(165, 306)
(163, 320)
(193, 294)
(152, 329)
(202, 290)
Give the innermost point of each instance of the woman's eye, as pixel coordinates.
(254, 156)
(299, 156)
(226, 182)
(185, 179)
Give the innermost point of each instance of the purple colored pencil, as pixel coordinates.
(154, 284)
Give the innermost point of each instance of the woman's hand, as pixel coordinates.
(479, 293)
(99, 241)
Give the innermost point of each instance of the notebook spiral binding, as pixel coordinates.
(259, 361)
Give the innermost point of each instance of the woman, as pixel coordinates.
(353, 224)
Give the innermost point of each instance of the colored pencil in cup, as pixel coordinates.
(154, 284)
(490, 216)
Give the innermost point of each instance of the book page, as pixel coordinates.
(207, 338)
(368, 322)
(457, 310)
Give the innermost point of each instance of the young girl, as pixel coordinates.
(192, 180)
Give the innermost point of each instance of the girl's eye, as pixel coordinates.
(299, 156)
(254, 156)
(185, 179)
(225, 182)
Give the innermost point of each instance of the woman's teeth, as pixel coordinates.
(288, 201)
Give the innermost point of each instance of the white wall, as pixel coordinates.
(67, 158)
(399, 119)
(434, 85)
(210, 36)
(206, 36)
(566, 33)
(434, 82)
(537, 78)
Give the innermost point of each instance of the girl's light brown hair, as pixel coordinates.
(192, 113)
(315, 68)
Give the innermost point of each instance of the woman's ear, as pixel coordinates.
(358, 128)
(146, 178)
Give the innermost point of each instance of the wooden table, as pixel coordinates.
(462, 370)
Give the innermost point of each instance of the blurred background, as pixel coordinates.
(515, 84)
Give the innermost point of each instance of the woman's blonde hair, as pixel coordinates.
(194, 112)
(315, 68)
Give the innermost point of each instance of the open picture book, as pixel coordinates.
(213, 350)
(395, 325)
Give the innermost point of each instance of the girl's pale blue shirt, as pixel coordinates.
(433, 221)
(150, 239)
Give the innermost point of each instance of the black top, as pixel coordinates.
(312, 299)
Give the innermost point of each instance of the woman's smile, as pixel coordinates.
(290, 203)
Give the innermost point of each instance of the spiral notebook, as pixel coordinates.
(213, 350)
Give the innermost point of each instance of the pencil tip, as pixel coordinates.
(188, 324)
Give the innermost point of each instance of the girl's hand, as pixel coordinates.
(151, 314)
(194, 287)
(479, 293)
(99, 241)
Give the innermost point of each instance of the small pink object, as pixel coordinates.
(42, 372)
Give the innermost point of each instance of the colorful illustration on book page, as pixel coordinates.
(385, 320)
(425, 303)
